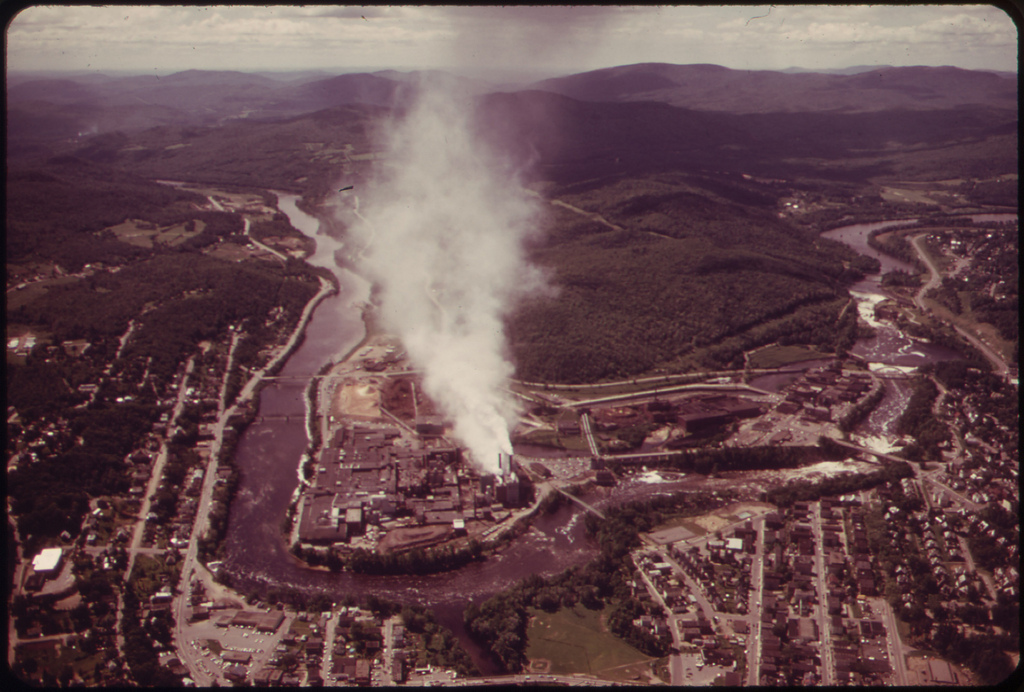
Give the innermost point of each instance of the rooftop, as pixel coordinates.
(47, 560)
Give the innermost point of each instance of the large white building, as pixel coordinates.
(47, 562)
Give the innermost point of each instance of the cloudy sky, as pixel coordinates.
(541, 40)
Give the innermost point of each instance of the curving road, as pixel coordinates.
(935, 278)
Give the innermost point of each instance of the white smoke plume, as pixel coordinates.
(443, 226)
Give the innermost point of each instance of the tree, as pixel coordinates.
(67, 673)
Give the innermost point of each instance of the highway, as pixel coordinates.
(677, 378)
(661, 391)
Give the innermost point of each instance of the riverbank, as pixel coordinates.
(257, 556)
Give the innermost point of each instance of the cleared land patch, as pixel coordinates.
(575, 640)
(144, 233)
(357, 399)
(777, 356)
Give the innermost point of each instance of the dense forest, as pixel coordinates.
(684, 270)
(56, 208)
(919, 422)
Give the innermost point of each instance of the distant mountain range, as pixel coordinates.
(602, 122)
(104, 103)
(715, 88)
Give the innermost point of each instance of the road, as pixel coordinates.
(222, 399)
(896, 653)
(754, 610)
(190, 565)
(661, 391)
(154, 480)
(580, 502)
(329, 638)
(588, 433)
(935, 278)
(828, 665)
(676, 676)
(930, 477)
(280, 255)
(667, 379)
(692, 584)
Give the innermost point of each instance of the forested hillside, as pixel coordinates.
(717, 88)
(684, 271)
(55, 209)
(694, 261)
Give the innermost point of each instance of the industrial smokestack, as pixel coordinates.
(442, 233)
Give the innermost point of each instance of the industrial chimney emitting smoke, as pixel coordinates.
(443, 225)
(504, 464)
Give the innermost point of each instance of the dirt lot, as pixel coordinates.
(356, 398)
(712, 522)
(413, 536)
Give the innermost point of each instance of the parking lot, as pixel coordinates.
(696, 673)
(259, 645)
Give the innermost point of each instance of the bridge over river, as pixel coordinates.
(581, 503)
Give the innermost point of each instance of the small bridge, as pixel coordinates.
(865, 450)
(286, 418)
(581, 503)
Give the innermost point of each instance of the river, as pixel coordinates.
(268, 456)
(890, 349)
(269, 453)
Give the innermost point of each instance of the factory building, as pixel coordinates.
(706, 414)
(365, 479)
(430, 425)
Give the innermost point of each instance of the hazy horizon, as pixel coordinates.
(536, 41)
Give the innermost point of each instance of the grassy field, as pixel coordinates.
(135, 232)
(686, 522)
(777, 356)
(551, 438)
(177, 234)
(15, 299)
(576, 641)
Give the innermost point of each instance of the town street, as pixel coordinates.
(935, 278)
(754, 610)
(892, 637)
(189, 656)
(828, 666)
(154, 480)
